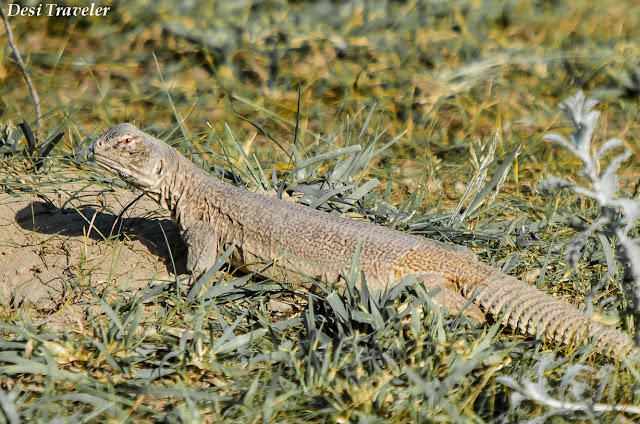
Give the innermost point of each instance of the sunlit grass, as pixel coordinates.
(424, 116)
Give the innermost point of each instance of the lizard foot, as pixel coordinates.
(448, 296)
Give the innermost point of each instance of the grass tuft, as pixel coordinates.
(427, 117)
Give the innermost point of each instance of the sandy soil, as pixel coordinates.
(60, 237)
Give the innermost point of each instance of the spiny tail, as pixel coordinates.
(531, 311)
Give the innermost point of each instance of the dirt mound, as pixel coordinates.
(62, 243)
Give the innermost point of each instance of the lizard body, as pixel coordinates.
(295, 241)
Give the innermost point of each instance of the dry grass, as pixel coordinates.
(469, 82)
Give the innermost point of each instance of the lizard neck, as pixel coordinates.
(180, 189)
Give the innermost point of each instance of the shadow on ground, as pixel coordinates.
(160, 236)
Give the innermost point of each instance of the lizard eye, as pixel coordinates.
(127, 141)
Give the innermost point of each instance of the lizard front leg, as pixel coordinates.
(202, 244)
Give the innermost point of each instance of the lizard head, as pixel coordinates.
(134, 156)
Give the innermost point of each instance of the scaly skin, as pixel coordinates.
(290, 241)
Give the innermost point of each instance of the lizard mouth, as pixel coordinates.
(110, 165)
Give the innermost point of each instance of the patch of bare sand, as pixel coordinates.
(57, 241)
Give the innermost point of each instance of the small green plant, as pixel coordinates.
(618, 216)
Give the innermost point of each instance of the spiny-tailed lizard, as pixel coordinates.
(298, 241)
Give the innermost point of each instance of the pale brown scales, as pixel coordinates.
(212, 214)
(522, 306)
